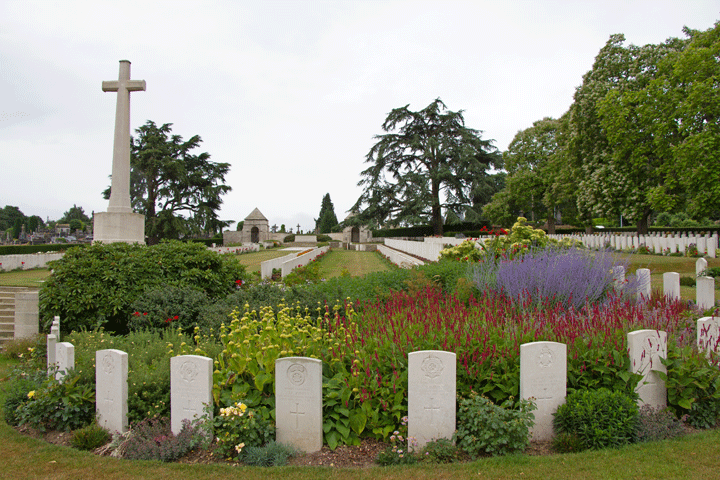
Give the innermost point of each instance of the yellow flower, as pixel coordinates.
(31, 393)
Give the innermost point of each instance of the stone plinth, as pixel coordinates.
(112, 227)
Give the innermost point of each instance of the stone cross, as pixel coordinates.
(120, 182)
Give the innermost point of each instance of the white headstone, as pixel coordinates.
(65, 358)
(708, 334)
(111, 389)
(671, 285)
(646, 347)
(51, 351)
(191, 381)
(55, 328)
(298, 403)
(705, 292)
(431, 396)
(644, 288)
(701, 245)
(543, 376)
(700, 266)
(619, 276)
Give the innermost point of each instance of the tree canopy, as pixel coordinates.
(179, 192)
(426, 162)
(327, 219)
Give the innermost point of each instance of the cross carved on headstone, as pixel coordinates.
(189, 408)
(120, 181)
(431, 409)
(297, 414)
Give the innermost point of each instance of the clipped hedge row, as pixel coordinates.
(28, 249)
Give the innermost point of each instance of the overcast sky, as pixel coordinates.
(290, 94)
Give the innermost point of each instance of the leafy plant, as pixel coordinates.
(167, 307)
(90, 437)
(271, 454)
(237, 428)
(598, 418)
(401, 449)
(486, 428)
(441, 450)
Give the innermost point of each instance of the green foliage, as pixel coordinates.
(303, 274)
(90, 437)
(167, 307)
(27, 249)
(16, 389)
(598, 418)
(687, 281)
(270, 455)
(441, 450)
(152, 439)
(237, 428)
(96, 285)
(421, 154)
(58, 405)
(693, 386)
(485, 428)
(400, 451)
(327, 219)
(567, 443)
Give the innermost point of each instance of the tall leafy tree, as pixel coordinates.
(8, 217)
(177, 191)
(327, 219)
(426, 162)
(74, 213)
(610, 142)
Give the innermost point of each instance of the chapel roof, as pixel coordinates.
(256, 215)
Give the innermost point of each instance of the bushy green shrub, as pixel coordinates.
(441, 450)
(167, 307)
(237, 428)
(95, 286)
(271, 454)
(90, 437)
(485, 428)
(598, 418)
(16, 389)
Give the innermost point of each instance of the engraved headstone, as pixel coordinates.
(700, 266)
(65, 358)
(51, 352)
(646, 347)
(618, 277)
(705, 292)
(191, 382)
(543, 377)
(111, 389)
(671, 285)
(55, 328)
(298, 403)
(644, 288)
(431, 396)
(708, 334)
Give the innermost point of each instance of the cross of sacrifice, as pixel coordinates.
(120, 181)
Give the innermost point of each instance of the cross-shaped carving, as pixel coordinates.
(297, 414)
(431, 409)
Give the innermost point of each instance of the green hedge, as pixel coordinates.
(427, 230)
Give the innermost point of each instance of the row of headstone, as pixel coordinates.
(704, 286)
(655, 242)
(431, 387)
(60, 355)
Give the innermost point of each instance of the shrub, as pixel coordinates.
(167, 306)
(16, 390)
(486, 428)
(441, 450)
(598, 418)
(90, 437)
(270, 455)
(400, 450)
(657, 424)
(96, 285)
(152, 439)
(237, 428)
(687, 281)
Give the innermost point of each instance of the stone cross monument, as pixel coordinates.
(119, 223)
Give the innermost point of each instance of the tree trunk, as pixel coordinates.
(437, 220)
(551, 223)
(642, 224)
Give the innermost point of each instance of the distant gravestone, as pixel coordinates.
(712, 245)
(191, 381)
(619, 277)
(51, 343)
(671, 285)
(65, 358)
(702, 245)
(543, 376)
(431, 396)
(55, 328)
(700, 266)
(705, 292)
(298, 403)
(111, 389)
(708, 334)
(646, 347)
(644, 289)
